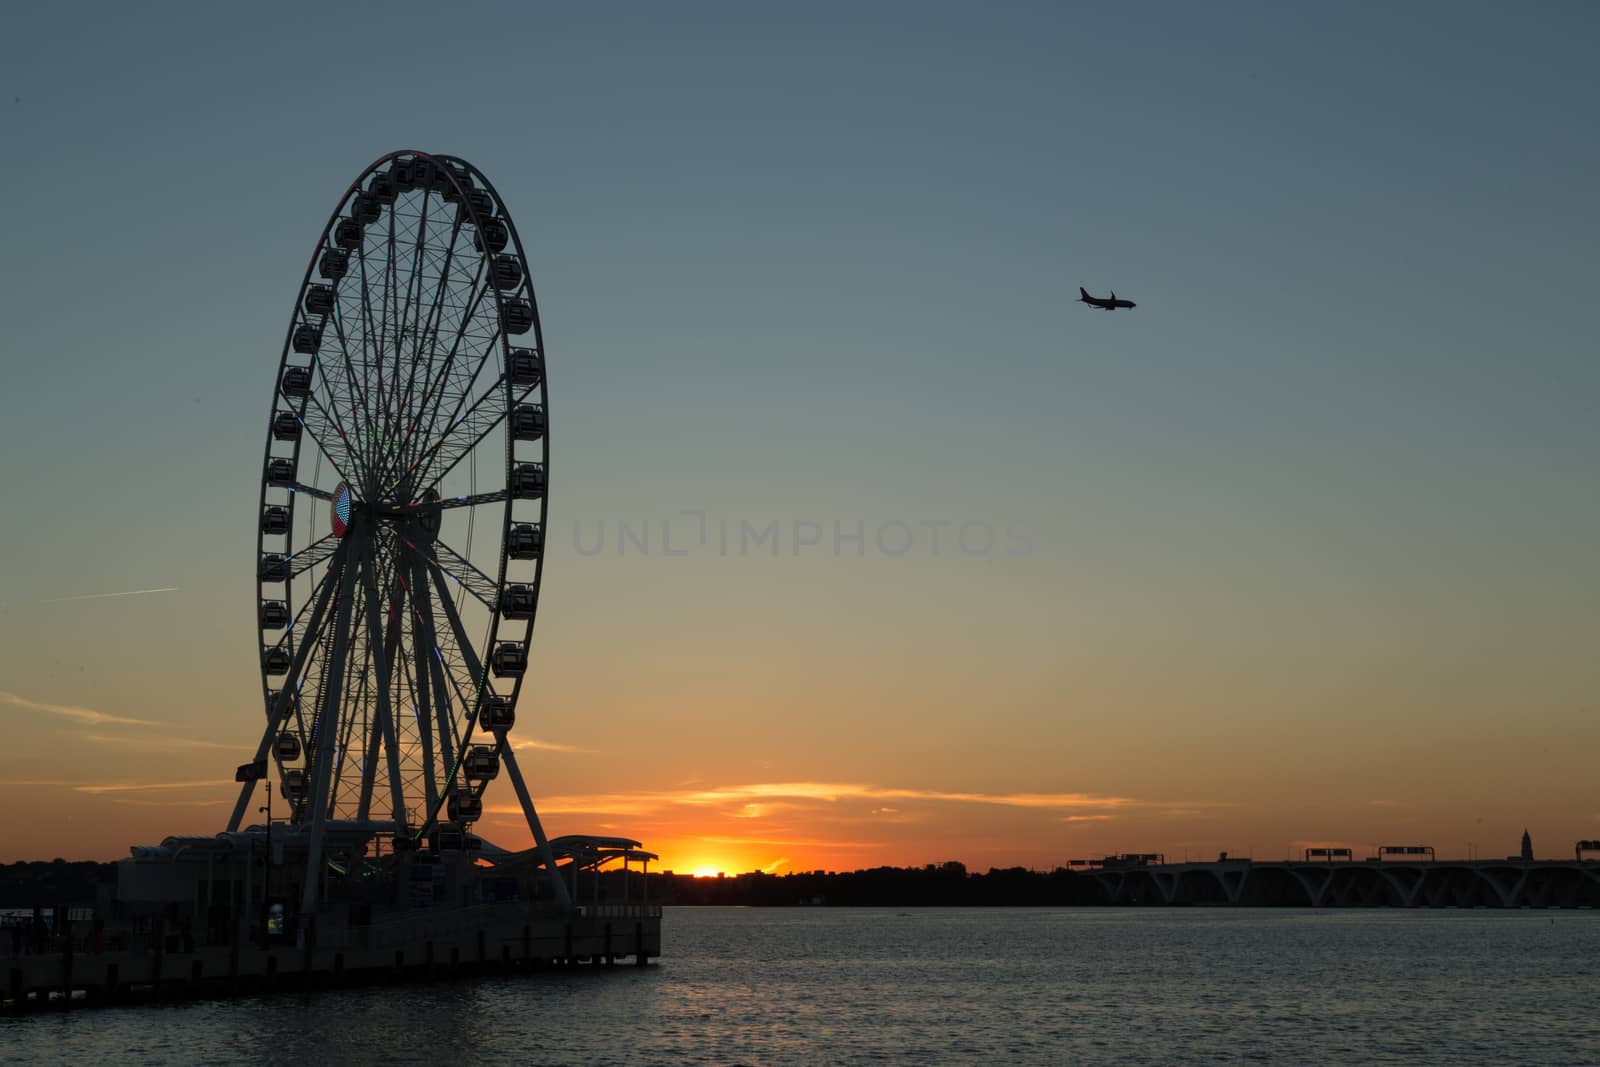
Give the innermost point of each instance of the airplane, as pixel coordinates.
(1104, 305)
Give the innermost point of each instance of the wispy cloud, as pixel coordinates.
(70, 711)
(834, 791)
(108, 596)
(787, 842)
(761, 810)
(131, 787)
(546, 746)
(137, 802)
(594, 804)
(761, 799)
(144, 742)
(123, 787)
(772, 868)
(1086, 818)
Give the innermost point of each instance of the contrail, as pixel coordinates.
(107, 596)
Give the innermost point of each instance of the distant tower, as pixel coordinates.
(1527, 846)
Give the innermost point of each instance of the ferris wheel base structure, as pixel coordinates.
(216, 916)
(152, 959)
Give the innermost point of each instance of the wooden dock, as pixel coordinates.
(86, 967)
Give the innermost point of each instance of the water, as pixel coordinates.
(782, 986)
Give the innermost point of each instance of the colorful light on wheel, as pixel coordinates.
(341, 510)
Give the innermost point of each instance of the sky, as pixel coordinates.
(923, 560)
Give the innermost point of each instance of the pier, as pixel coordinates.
(216, 916)
(80, 967)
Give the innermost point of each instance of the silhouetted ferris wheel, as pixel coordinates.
(402, 509)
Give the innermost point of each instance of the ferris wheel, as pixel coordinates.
(400, 542)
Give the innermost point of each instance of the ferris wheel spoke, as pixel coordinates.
(405, 315)
(326, 730)
(472, 500)
(357, 710)
(313, 554)
(293, 628)
(465, 387)
(428, 642)
(463, 643)
(316, 421)
(309, 490)
(459, 570)
(322, 401)
(468, 663)
(429, 699)
(428, 331)
(309, 638)
(479, 421)
(437, 385)
(352, 440)
(422, 327)
(467, 696)
(364, 431)
(414, 673)
(372, 357)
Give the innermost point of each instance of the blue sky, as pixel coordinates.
(817, 262)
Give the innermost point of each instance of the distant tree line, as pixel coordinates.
(935, 885)
(45, 884)
(58, 882)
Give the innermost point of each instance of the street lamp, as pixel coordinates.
(266, 868)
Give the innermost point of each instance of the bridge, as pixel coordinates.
(1146, 879)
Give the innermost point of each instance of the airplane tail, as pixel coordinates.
(1083, 293)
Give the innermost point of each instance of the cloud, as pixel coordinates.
(168, 803)
(762, 799)
(834, 791)
(108, 596)
(761, 810)
(547, 746)
(124, 787)
(594, 804)
(772, 868)
(1086, 818)
(787, 842)
(154, 743)
(130, 787)
(69, 711)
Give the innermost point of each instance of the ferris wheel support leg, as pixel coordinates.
(383, 726)
(306, 646)
(441, 686)
(424, 719)
(509, 759)
(327, 732)
(507, 756)
(432, 696)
